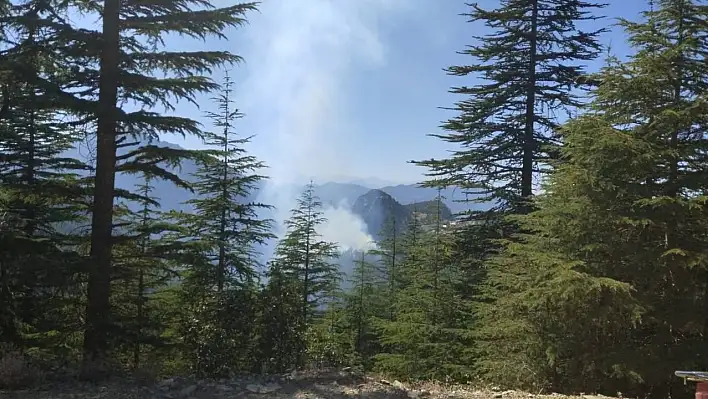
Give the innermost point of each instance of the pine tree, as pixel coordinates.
(328, 338)
(129, 55)
(226, 228)
(410, 250)
(304, 257)
(388, 250)
(505, 128)
(223, 233)
(280, 334)
(449, 350)
(530, 61)
(429, 338)
(364, 303)
(612, 273)
(144, 258)
(39, 265)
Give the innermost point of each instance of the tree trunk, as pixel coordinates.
(673, 183)
(99, 280)
(392, 274)
(529, 139)
(221, 276)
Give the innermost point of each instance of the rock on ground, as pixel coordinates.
(300, 385)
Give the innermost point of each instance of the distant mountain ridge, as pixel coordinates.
(397, 199)
(334, 193)
(372, 205)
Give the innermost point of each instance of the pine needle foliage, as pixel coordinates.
(366, 301)
(225, 226)
(144, 262)
(127, 63)
(223, 233)
(281, 335)
(43, 192)
(304, 257)
(610, 277)
(429, 337)
(529, 62)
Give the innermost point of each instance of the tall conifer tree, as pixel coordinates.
(613, 274)
(145, 256)
(429, 337)
(44, 194)
(281, 334)
(223, 234)
(303, 256)
(226, 226)
(121, 70)
(529, 61)
(388, 250)
(366, 301)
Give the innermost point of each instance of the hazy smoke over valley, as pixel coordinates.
(346, 229)
(293, 93)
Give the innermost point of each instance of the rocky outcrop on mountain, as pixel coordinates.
(376, 207)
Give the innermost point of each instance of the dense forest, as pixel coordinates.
(587, 273)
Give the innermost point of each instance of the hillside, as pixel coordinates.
(452, 196)
(405, 194)
(430, 208)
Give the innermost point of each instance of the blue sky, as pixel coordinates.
(344, 89)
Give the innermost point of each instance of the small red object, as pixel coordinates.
(702, 390)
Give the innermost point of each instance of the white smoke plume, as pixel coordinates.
(346, 229)
(293, 96)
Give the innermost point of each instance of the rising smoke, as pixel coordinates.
(293, 95)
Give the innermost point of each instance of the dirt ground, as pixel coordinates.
(322, 384)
